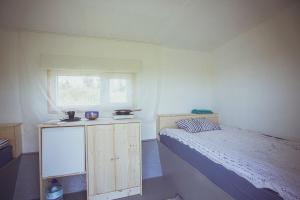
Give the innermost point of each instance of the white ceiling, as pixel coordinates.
(189, 24)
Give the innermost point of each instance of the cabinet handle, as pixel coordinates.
(112, 159)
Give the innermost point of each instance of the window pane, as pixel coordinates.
(78, 91)
(118, 90)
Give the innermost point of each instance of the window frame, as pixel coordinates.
(52, 89)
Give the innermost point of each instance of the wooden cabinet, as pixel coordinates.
(12, 132)
(107, 150)
(114, 160)
(127, 151)
(101, 159)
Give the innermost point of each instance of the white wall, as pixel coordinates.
(257, 77)
(10, 110)
(186, 81)
(255, 81)
(178, 69)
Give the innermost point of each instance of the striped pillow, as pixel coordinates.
(197, 125)
(206, 125)
(188, 125)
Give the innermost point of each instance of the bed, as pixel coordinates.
(229, 163)
(5, 155)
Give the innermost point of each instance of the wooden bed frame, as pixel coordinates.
(187, 180)
(169, 120)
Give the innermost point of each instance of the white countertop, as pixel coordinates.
(85, 122)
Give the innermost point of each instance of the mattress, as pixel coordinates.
(5, 155)
(242, 163)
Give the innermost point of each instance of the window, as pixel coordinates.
(118, 90)
(78, 91)
(89, 90)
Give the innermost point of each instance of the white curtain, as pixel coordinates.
(39, 52)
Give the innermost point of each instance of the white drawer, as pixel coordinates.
(63, 151)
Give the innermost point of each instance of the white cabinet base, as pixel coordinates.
(117, 194)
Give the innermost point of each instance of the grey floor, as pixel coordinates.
(19, 179)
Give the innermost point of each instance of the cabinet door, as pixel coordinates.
(63, 151)
(101, 163)
(127, 151)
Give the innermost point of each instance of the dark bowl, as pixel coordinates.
(91, 115)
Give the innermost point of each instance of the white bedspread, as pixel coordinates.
(264, 161)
